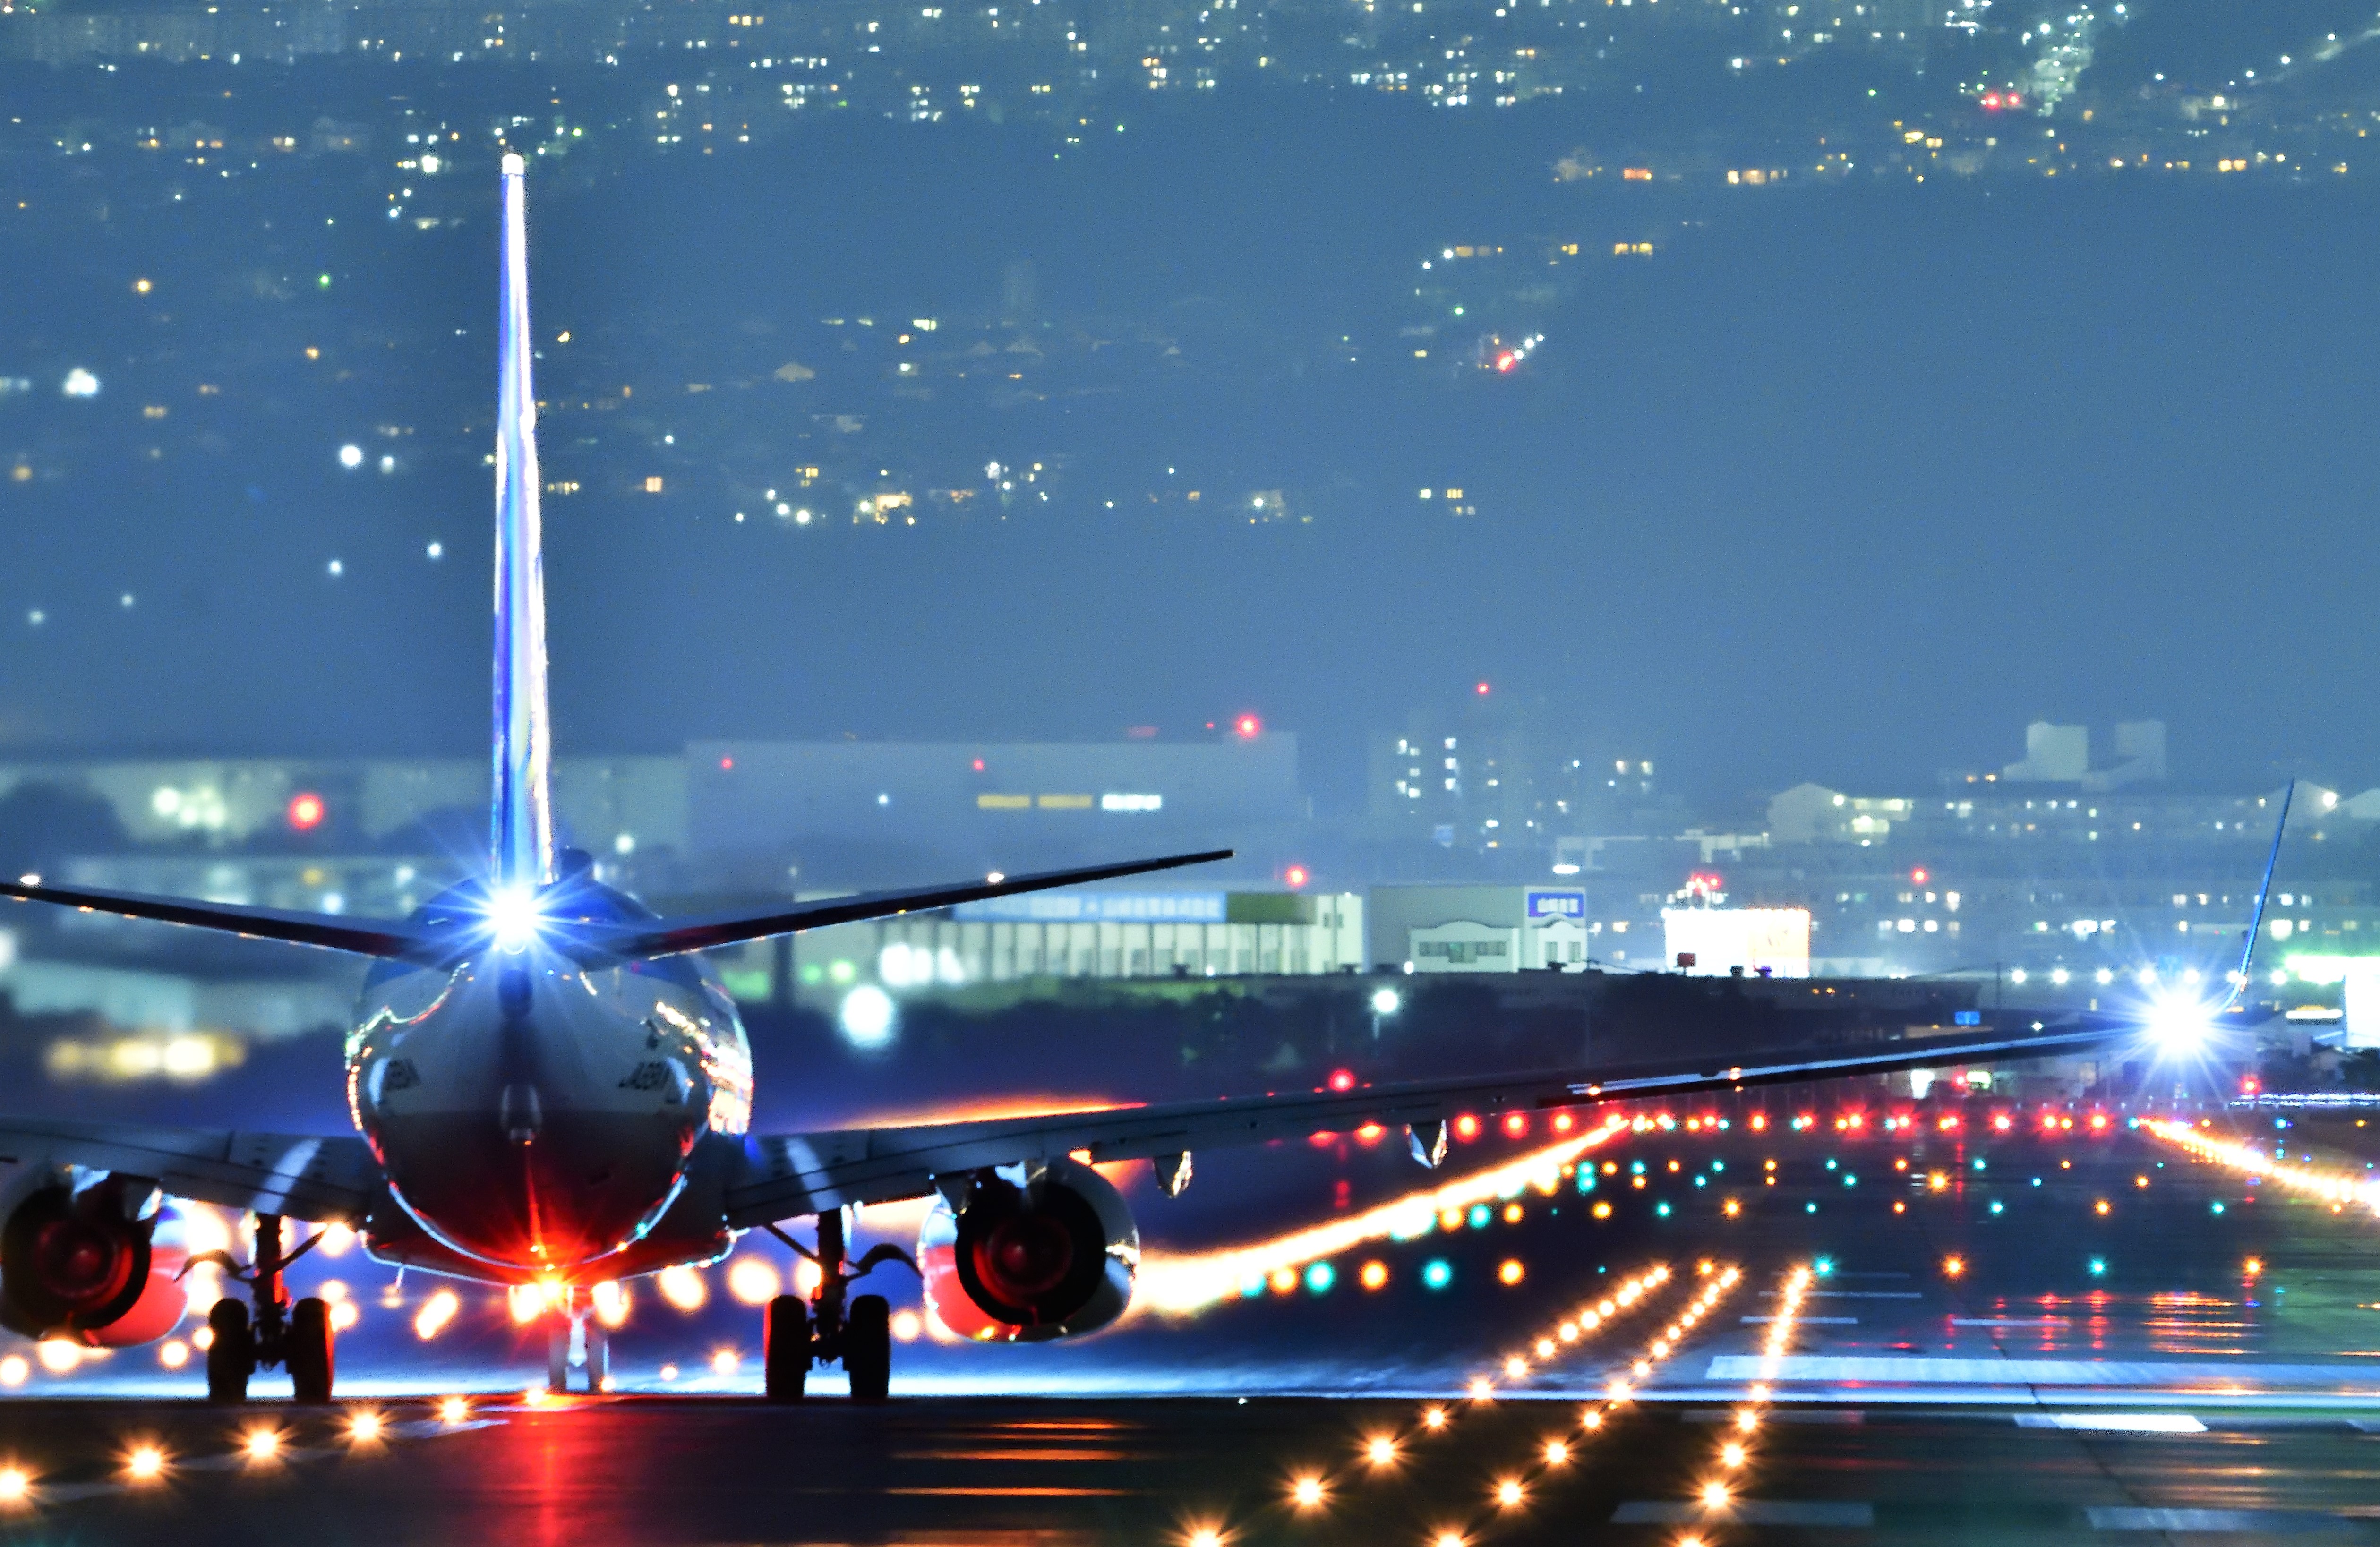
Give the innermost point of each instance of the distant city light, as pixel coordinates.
(81, 383)
(351, 456)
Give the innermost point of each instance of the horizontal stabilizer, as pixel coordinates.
(331, 931)
(669, 937)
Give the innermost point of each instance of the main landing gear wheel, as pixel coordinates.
(231, 1352)
(867, 1349)
(309, 1350)
(785, 1348)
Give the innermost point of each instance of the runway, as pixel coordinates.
(1923, 1333)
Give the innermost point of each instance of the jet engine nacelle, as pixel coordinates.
(79, 1265)
(1046, 1252)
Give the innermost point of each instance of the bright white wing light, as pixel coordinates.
(514, 912)
(2179, 1025)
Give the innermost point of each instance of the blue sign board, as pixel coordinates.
(1546, 906)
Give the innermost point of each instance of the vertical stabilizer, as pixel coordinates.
(523, 837)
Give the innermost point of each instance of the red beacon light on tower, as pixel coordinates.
(306, 811)
(1247, 728)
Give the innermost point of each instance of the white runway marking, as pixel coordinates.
(1747, 1511)
(2119, 1423)
(2260, 1522)
(1911, 1370)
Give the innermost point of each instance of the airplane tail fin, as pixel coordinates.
(522, 837)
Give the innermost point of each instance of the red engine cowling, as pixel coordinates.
(1053, 1258)
(73, 1264)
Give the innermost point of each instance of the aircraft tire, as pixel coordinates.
(785, 1348)
(310, 1358)
(867, 1349)
(231, 1352)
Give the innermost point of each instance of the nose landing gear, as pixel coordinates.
(297, 1337)
(859, 1333)
(575, 1339)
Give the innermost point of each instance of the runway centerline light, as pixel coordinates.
(262, 1445)
(1730, 1455)
(15, 1485)
(1380, 1451)
(1556, 1453)
(454, 1410)
(1306, 1493)
(1510, 1494)
(364, 1426)
(145, 1464)
(1714, 1495)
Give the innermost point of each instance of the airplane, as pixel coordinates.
(551, 1091)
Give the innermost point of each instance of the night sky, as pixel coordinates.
(1844, 483)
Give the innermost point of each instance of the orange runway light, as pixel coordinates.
(1305, 1492)
(262, 1445)
(1204, 1536)
(364, 1427)
(1953, 1266)
(1730, 1455)
(1509, 1272)
(1433, 1417)
(1556, 1453)
(1380, 1451)
(16, 1484)
(455, 1410)
(145, 1463)
(1510, 1494)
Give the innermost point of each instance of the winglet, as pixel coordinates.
(2264, 894)
(522, 837)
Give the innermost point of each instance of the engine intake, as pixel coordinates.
(75, 1264)
(1053, 1258)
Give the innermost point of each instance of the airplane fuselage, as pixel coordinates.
(539, 1112)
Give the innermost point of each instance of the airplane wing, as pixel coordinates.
(799, 1174)
(436, 942)
(333, 931)
(669, 936)
(270, 1173)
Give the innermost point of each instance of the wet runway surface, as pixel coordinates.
(1925, 1333)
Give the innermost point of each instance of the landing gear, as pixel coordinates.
(307, 1350)
(298, 1338)
(576, 1340)
(867, 1349)
(795, 1334)
(231, 1352)
(785, 1351)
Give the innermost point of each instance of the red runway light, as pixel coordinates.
(306, 811)
(1759, 1122)
(1517, 1124)
(2001, 1122)
(1564, 1121)
(1343, 1079)
(1466, 1127)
